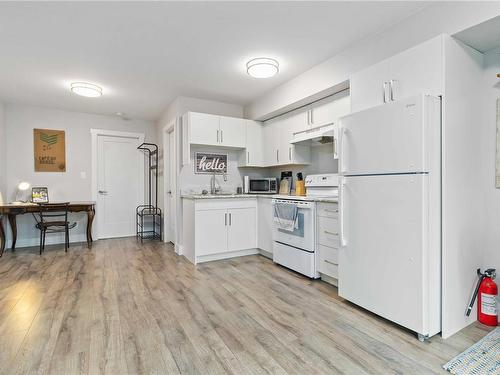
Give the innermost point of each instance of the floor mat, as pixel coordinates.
(482, 358)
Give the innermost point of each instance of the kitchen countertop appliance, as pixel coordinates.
(260, 185)
(297, 249)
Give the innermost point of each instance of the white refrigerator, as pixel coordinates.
(390, 212)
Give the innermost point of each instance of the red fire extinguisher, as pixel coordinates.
(486, 292)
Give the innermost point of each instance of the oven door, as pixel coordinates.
(303, 236)
(259, 186)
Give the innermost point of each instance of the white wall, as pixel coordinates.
(67, 186)
(492, 86)
(442, 17)
(2, 152)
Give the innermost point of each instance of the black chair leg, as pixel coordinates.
(41, 231)
(43, 242)
(66, 239)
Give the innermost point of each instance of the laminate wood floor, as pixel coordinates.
(123, 308)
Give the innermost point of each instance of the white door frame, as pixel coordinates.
(95, 133)
(167, 129)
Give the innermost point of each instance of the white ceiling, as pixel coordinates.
(144, 54)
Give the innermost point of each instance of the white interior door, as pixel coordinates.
(384, 228)
(120, 185)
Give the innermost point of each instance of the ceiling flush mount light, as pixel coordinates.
(262, 67)
(86, 89)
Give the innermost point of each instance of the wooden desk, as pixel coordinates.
(11, 210)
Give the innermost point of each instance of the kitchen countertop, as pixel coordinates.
(246, 196)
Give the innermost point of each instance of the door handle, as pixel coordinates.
(384, 92)
(103, 192)
(392, 96)
(342, 239)
(343, 132)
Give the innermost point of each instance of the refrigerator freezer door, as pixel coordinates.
(397, 137)
(383, 264)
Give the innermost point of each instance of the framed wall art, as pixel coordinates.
(49, 150)
(209, 163)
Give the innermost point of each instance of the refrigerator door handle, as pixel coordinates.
(342, 239)
(343, 132)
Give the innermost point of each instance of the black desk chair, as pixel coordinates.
(53, 219)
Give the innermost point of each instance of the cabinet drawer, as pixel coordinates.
(328, 232)
(328, 253)
(328, 210)
(327, 267)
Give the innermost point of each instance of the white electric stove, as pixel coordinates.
(297, 249)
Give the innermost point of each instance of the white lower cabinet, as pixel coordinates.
(265, 224)
(241, 228)
(219, 228)
(327, 241)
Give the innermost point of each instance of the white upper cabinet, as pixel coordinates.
(328, 110)
(415, 71)
(232, 132)
(203, 128)
(213, 130)
(253, 155)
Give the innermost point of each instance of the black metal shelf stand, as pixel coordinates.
(148, 216)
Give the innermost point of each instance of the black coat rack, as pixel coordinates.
(148, 216)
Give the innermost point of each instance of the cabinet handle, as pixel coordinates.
(384, 92)
(217, 136)
(328, 210)
(230, 218)
(327, 261)
(308, 121)
(225, 219)
(222, 136)
(333, 233)
(248, 157)
(289, 153)
(277, 156)
(392, 96)
(312, 116)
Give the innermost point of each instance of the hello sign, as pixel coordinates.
(209, 163)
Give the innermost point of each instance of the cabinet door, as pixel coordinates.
(211, 232)
(367, 86)
(232, 132)
(265, 224)
(203, 129)
(253, 154)
(418, 70)
(271, 143)
(242, 229)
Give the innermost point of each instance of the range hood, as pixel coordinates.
(318, 136)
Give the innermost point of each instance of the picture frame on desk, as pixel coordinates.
(40, 195)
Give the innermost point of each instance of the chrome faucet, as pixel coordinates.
(213, 185)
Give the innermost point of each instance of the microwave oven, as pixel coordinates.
(261, 185)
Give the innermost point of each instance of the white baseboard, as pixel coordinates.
(266, 254)
(52, 239)
(329, 279)
(226, 255)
